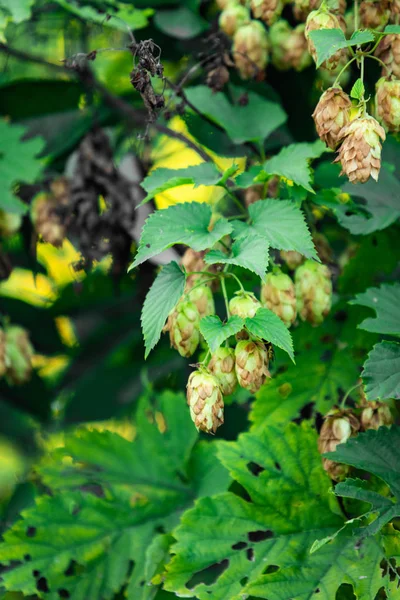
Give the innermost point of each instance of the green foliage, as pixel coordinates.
(186, 223)
(329, 41)
(107, 531)
(293, 163)
(266, 325)
(377, 452)
(242, 122)
(381, 374)
(121, 15)
(263, 546)
(249, 252)
(181, 23)
(18, 163)
(19, 10)
(385, 301)
(162, 297)
(215, 332)
(358, 90)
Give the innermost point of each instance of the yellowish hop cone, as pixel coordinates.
(375, 415)
(387, 101)
(222, 366)
(204, 397)
(183, 326)
(331, 114)
(267, 10)
(250, 50)
(323, 18)
(360, 151)
(313, 291)
(232, 18)
(278, 294)
(338, 427)
(388, 51)
(374, 14)
(251, 365)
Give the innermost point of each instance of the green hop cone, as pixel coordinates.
(313, 291)
(3, 361)
(250, 50)
(267, 10)
(222, 366)
(375, 415)
(19, 352)
(203, 298)
(244, 305)
(278, 294)
(232, 18)
(251, 363)
(292, 258)
(183, 326)
(387, 101)
(9, 223)
(279, 35)
(339, 425)
(323, 18)
(204, 397)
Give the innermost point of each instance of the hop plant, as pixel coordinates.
(232, 18)
(244, 305)
(222, 366)
(331, 114)
(46, 219)
(223, 4)
(388, 51)
(193, 262)
(313, 291)
(289, 47)
(330, 78)
(256, 192)
(323, 18)
(3, 362)
(202, 297)
(394, 7)
(323, 248)
(250, 50)
(267, 10)
(205, 400)
(251, 364)
(374, 14)
(292, 258)
(278, 294)
(9, 223)
(302, 8)
(19, 352)
(387, 101)
(375, 415)
(360, 152)
(338, 427)
(183, 326)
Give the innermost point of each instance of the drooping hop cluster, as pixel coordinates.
(289, 49)
(323, 18)
(313, 291)
(339, 425)
(387, 101)
(204, 397)
(222, 366)
(331, 114)
(252, 361)
(278, 294)
(251, 50)
(16, 353)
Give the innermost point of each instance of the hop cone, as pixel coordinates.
(323, 248)
(313, 291)
(223, 4)
(217, 78)
(19, 352)
(338, 427)
(289, 47)
(233, 17)
(278, 294)
(3, 362)
(360, 152)
(324, 19)
(250, 50)
(46, 220)
(375, 415)
(244, 305)
(193, 261)
(394, 11)
(302, 8)
(222, 366)
(267, 10)
(183, 327)
(374, 14)
(203, 299)
(292, 258)
(331, 114)
(205, 400)
(388, 51)
(387, 102)
(9, 223)
(251, 365)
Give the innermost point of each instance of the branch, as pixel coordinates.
(118, 104)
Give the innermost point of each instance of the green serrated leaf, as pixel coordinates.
(121, 15)
(20, 10)
(112, 536)
(329, 41)
(186, 223)
(18, 163)
(162, 297)
(281, 223)
(268, 326)
(293, 163)
(385, 300)
(289, 508)
(381, 374)
(163, 179)
(215, 332)
(392, 29)
(242, 123)
(249, 252)
(358, 90)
